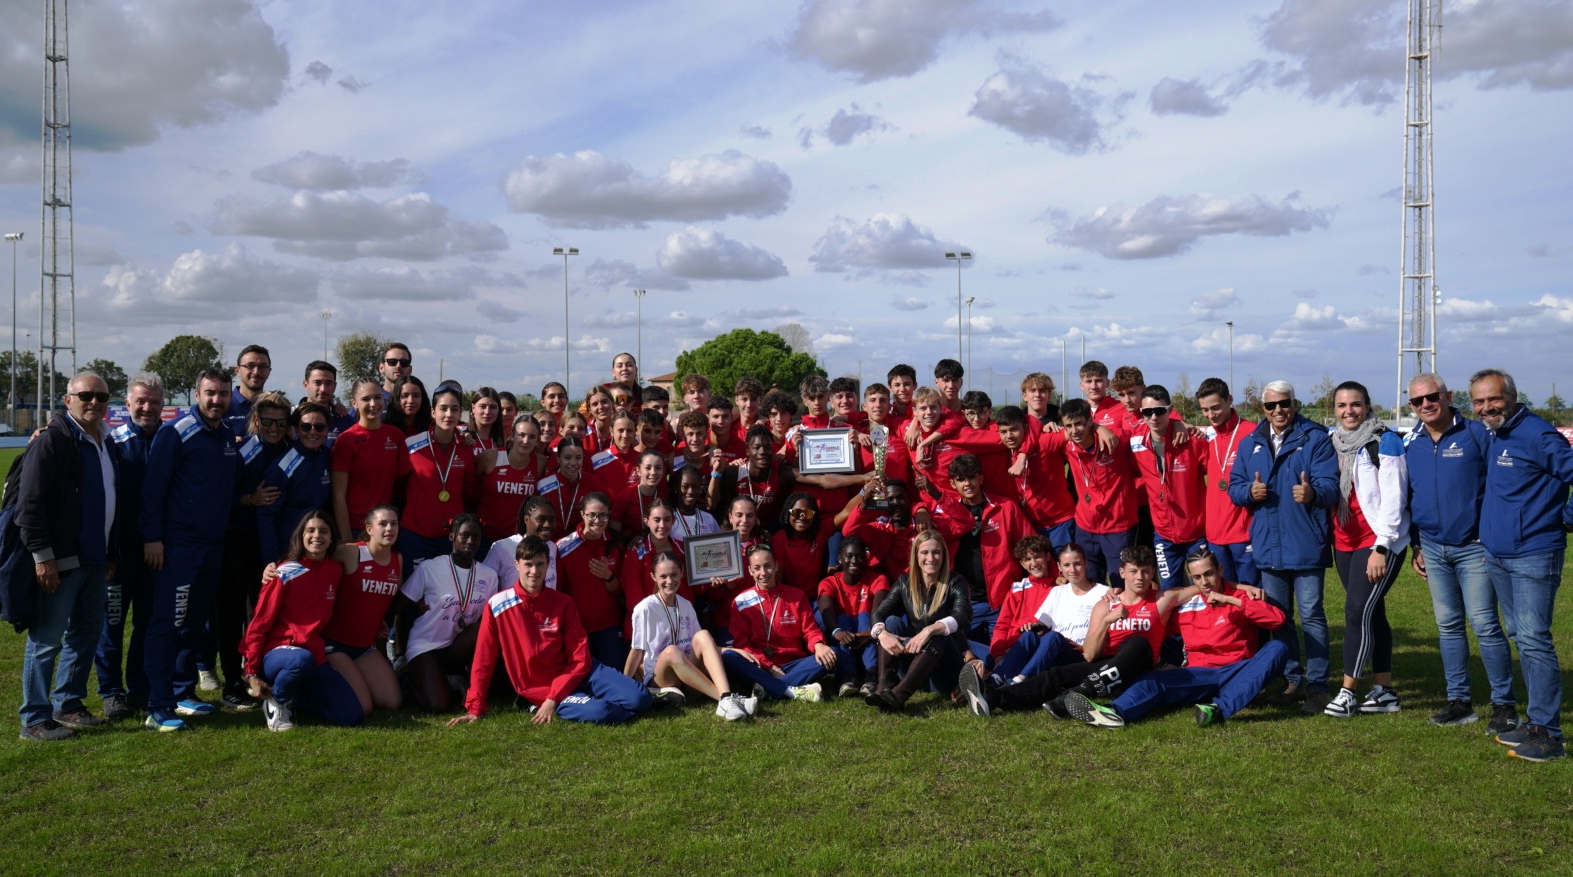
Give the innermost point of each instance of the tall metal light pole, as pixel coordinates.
(1230, 324)
(1064, 370)
(970, 300)
(958, 258)
(325, 316)
(639, 295)
(15, 238)
(567, 342)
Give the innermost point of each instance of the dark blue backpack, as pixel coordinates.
(18, 584)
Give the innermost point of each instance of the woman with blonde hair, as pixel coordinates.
(935, 605)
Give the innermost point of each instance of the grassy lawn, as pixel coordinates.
(805, 789)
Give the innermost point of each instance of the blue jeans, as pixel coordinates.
(1035, 652)
(859, 623)
(60, 644)
(1534, 580)
(1465, 583)
(1291, 589)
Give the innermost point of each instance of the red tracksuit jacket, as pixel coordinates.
(1217, 636)
(1004, 524)
(1107, 482)
(1020, 607)
(598, 607)
(292, 610)
(1227, 523)
(1178, 495)
(542, 644)
(1044, 496)
(776, 626)
(889, 547)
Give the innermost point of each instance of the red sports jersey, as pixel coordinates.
(1044, 495)
(564, 498)
(364, 598)
(628, 510)
(433, 473)
(1003, 525)
(801, 562)
(1227, 523)
(598, 607)
(542, 644)
(935, 469)
(594, 440)
(765, 492)
(374, 460)
(889, 547)
(1107, 482)
(1216, 636)
(992, 456)
(292, 609)
(1178, 494)
(1020, 608)
(1109, 412)
(503, 490)
(612, 470)
(1143, 620)
(680, 460)
(776, 626)
(850, 599)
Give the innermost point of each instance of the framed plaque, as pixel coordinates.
(826, 452)
(713, 555)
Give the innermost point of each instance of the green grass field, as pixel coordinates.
(830, 788)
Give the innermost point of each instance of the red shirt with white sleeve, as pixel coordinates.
(599, 608)
(1217, 636)
(776, 625)
(1019, 609)
(434, 472)
(292, 609)
(541, 641)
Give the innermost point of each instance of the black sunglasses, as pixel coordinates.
(395, 361)
(272, 421)
(92, 396)
(311, 427)
(1277, 404)
(1155, 411)
(1428, 398)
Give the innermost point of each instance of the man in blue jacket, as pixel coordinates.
(66, 514)
(1447, 456)
(1286, 473)
(1522, 524)
(192, 468)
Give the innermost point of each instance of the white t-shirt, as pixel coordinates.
(653, 629)
(442, 584)
(696, 524)
(1067, 614)
(500, 561)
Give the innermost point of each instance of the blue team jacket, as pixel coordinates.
(256, 456)
(1527, 478)
(132, 445)
(1447, 479)
(192, 470)
(304, 485)
(1286, 534)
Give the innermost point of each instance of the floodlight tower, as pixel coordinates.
(1418, 294)
(57, 259)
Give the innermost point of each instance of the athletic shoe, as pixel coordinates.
(195, 706)
(847, 689)
(730, 708)
(207, 680)
(1291, 694)
(1504, 718)
(1341, 707)
(971, 687)
(1539, 746)
(47, 731)
(667, 696)
(866, 690)
(1316, 702)
(238, 698)
(117, 707)
(809, 693)
(1381, 699)
(458, 683)
(1514, 737)
(279, 716)
(1457, 712)
(750, 705)
(1083, 710)
(79, 719)
(164, 721)
(1055, 707)
(1208, 714)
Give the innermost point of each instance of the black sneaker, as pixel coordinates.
(237, 698)
(971, 690)
(117, 707)
(1457, 712)
(1316, 702)
(79, 719)
(1208, 715)
(1056, 708)
(1504, 718)
(47, 731)
(1291, 694)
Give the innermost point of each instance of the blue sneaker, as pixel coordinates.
(164, 721)
(195, 706)
(1540, 746)
(1514, 737)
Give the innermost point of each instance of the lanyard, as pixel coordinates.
(770, 620)
(1220, 459)
(469, 587)
(672, 617)
(562, 513)
(683, 519)
(442, 471)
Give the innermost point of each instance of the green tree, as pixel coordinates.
(744, 352)
(112, 374)
(27, 377)
(1555, 402)
(359, 355)
(182, 359)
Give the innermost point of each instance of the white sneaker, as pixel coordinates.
(1344, 705)
(278, 715)
(730, 708)
(809, 693)
(207, 680)
(749, 704)
(1381, 700)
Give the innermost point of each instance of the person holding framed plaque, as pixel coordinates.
(742, 518)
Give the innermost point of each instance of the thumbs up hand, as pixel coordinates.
(1303, 492)
(1258, 489)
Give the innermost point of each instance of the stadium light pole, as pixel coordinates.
(15, 238)
(970, 300)
(958, 258)
(567, 344)
(1230, 324)
(639, 295)
(326, 315)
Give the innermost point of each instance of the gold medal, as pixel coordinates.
(1086, 497)
(443, 496)
(1223, 485)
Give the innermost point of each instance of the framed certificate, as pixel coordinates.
(713, 555)
(826, 452)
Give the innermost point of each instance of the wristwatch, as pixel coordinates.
(1383, 550)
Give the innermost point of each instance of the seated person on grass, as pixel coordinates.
(669, 650)
(776, 643)
(846, 608)
(922, 624)
(1050, 622)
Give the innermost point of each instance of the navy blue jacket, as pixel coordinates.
(256, 456)
(238, 416)
(304, 484)
(1447, 480)
(1286, 534)
(192, 470)
(60, 498)
(132, 444)
(1526, 488)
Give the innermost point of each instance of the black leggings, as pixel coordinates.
(1132, 659)
(1367, 635)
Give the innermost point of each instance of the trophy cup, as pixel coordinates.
(877, 500)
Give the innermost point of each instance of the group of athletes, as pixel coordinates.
(1098, 559)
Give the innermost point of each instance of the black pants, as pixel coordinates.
(1131, 660)
(240, 581)
(1367, 635)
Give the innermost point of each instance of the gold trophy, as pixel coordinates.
(877, 500)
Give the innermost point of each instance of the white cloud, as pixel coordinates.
(980, 324)
(683, 320)
(1209, 304)
(834, 341)
(1117, 335)
(1024, 99)
(493, 344)
(610, 320)
(883, 241)
(1217, 341)
(585, 344)
(310, 170)
(1190, 98)
(879, 39)
(706, 254)
(1169, 226)
(202, 284)
(908, 304)
(770, 313)
(607, 273)
(1315, 319)
(1096, 293)
(590, 190)
(341, 226)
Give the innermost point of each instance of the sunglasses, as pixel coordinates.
(1155, 411)
(272, 421)
(396, 362)
(1277, 404)
(621, 400)
(312, 427)
(91, 396)
(802, 514)
(1427, 399)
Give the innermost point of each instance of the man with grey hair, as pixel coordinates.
(130, 588)
(66, 514)
(1524, 519)
(1286, 473)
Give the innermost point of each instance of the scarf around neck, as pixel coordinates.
(1348, 442)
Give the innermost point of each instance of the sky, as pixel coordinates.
(1128, 176)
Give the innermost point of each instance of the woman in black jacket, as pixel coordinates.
(936, 604)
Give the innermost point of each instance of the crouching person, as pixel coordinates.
(537, 633)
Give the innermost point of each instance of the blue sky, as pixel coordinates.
(1134, 173)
